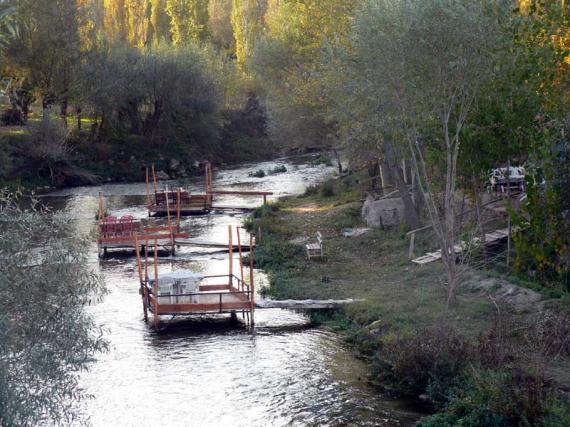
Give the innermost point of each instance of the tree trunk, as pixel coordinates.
(338, 161)
(63, 110)
(78, 114)
(410, 214)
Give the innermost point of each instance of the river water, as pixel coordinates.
(208, 371)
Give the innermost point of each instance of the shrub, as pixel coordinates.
(278, 169)
(260, 173)
(327, 189)
(312, 190)
(323, 159)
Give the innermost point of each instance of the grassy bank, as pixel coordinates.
(499, 357)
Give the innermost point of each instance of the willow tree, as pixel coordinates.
(46, 337)
(427, 62)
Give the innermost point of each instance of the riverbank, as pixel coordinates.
(501, 353)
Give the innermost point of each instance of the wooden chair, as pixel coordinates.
(315, 250)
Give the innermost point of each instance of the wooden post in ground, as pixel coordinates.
(411, 250)
(264, 199)
(155, 286)
(240, 254)
(231, 258)
(251, 285)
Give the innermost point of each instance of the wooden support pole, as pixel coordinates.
(264, 199)
(139, 263)
(230, 251)
(251, 285)
(155, 287)
(154, 179)
(240, 254)
(146, 260)
(178, 211)
(148, 202)
(101, 208)
(168, 219)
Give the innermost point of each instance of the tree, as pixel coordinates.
(427, 62)
(46, 337)
(246, 18)
(287, 60)
(138, 18)
(188, 20)
(160, 21)
(220, 24)
(116, 19)
(47, 49)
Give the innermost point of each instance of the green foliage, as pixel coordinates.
(260, 173)
(46, 337)
(323, 159)
(327, 189)
(505, 398)
(188, 20)
(278, 169)
(543, 243)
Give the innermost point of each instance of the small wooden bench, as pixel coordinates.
(315, 250)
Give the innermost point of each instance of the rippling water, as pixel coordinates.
(207, 371)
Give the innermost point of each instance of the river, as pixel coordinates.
(208, 372)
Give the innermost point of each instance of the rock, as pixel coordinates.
(383, 213)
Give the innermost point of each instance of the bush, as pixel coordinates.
(327, 189)
(260, 173)
(312, 190)
(323, 159)
(278, 169)
(501, 398)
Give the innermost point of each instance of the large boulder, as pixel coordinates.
(384, 212)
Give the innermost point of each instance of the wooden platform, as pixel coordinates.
(308, 304)
(492, 238)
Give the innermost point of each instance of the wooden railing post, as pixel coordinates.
(240, 256)
(231, 258)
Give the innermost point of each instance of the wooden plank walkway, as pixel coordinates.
(491, 238)
(307, 304)
(202, 244)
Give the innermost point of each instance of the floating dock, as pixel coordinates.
(121, 234)
(181, 202)
(183, 293)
